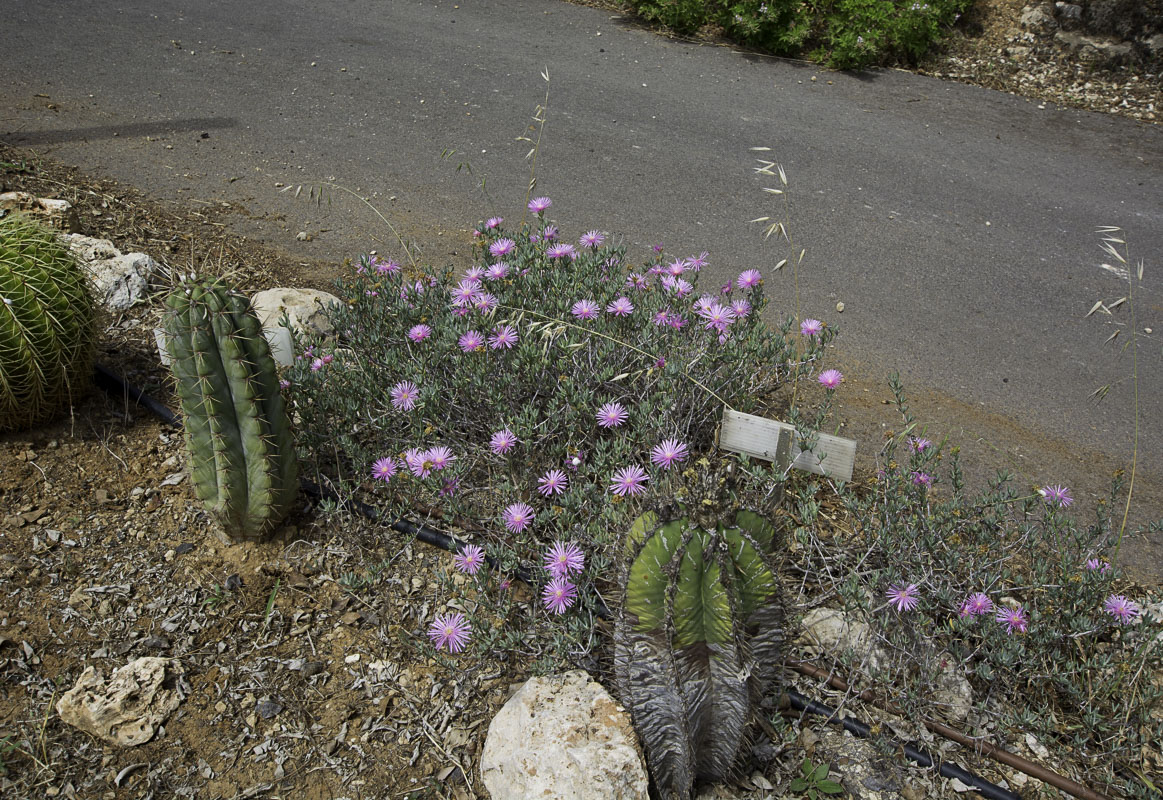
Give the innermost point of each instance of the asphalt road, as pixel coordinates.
(955, 224)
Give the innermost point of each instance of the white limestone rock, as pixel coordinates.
(305, 308)
(123, 280)
(127, 709)
(58, 214)
(563, 737)
(88, 248)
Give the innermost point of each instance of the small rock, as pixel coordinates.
(312, 668)
(127, 709)
(565, 737)
(58, 214)
(268, 709)
(183, 548)
(88, 248)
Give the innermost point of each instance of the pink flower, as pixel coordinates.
(977, 604)
(620, 307)
(552, 482)
(1056, 496)
(465, 293)
(558, 595)
(450, 632)
(502, 441)
(637, 280)
(749, 279)
(539, 204)
(385, 267)
(469, 559)
(451, 486)
(439, 457)
(584, 309)
(502, 247)
(417, 461)
(404, 395)
(661, 317)
(919, 445)
(485, 303)
(316, 364)
(561, 251)
(518, 517)
(718, 317)
(629, 480)
(671, 451)
(384, 469)
(922, 479)
(740, 308)
(419, 333)
(676, 268)
(562, 559)
(1122, 609)
(830, 378)
(493, 222)
(1014, 619)
(611, 415)
(470, 341)
(503, 337)
(811, 327)
(591, 239)
(575, 459)
(497, 271)
(903, 597)
(1098, 564)
(698, 262)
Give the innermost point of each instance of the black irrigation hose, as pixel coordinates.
(114, 385)
(913, 751)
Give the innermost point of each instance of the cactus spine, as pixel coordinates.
(697, 641)
(47, 334)
(238, 436)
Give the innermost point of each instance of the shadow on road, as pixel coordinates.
(59, 135)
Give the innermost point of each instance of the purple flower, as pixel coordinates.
(903, 597)
(830, 378)
(450, 632)
(562, 559)
(539, 204)
(469, 559)
(562, 251)
(811, 327)
(439, 457)
(502, 441)
(677, 321)
(417, 461)
(493, 222)
(384, 468)
(629, 480)
(740, 308)
(474, 273)
(316, 364)
(502, 247)
(419, 333)
(611, 415)
(552, 482)
(698, 262)
(718, 317)
(558, 595)
(470, 341)
(591, 239)
(1013, 618)
(497, 271)
(1056, 496)
(284, 384)
(676, 268)
(404, 396)
(518, 517)
(669, 452)
(636, 280)
(620, 307)
(485, 303)
(1097, 564)
(661, 317)
(505, 336)
(385, 267)
(703, 304)
(584, 309)
(660, 363)
(1122, 609)
(922, 479)
(575, 459)
(451, 486)
(749, 279)
(465, 293)
(919, 445)
(976, 605)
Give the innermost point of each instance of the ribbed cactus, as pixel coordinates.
(698, 640)
(47, 333)
(241, 452)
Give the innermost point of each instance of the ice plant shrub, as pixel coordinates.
(47, 332)
(238, 436)
(698, 639)
(557, 417)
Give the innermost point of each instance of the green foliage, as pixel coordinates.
(47, 332)
(844, 34)
(698, 636)
(813, 781)
(238, 436)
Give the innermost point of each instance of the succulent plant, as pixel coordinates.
(238, 436)
(698, 639)
(47, 333)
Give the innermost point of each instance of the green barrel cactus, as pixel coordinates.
(47, 330)
(238, 436)
(697, 641)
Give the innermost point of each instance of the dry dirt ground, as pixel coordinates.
(305, 670)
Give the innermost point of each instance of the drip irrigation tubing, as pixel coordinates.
(116, 386)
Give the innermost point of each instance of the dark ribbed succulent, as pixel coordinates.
(241, 453)
(47, 331)
(698, 638)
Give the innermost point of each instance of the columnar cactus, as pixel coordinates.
(241, 452)
(47, 334)
(697, 641)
